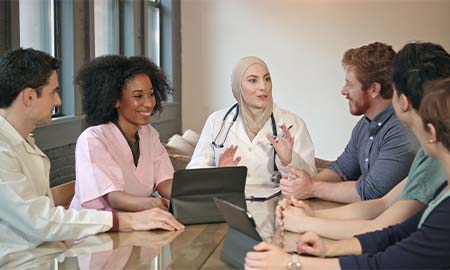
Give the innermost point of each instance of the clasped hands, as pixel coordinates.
(289, 215)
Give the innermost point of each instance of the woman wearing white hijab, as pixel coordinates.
(243, 135)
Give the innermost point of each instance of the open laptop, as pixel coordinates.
(241, 236)
(193, 191)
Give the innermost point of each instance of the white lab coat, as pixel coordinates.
(256, 155)
(28, 216)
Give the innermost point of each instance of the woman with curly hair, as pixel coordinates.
(120, 161)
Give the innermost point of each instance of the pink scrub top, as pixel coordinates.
(104, 163)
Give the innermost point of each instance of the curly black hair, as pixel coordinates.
(22, 68)
(102, 81)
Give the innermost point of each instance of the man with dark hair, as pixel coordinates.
(28, 216)
(22, 69)
(380, 151)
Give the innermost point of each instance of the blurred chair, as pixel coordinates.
(63, 194)
(181, 147)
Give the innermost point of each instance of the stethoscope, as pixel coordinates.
(276, 176)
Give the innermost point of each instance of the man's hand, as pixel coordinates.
(298, 184)
(227, 157)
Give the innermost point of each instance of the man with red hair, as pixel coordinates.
(380, 151)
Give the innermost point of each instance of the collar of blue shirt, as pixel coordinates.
(377, 123)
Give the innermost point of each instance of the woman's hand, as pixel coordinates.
(304, 208)
(122, 201)
(227, 157)
(266, 256)
(288, 210)
(279, 213)
(283, 145)
(292, 220)
(161, 203)
(311, 243)
(154, 218)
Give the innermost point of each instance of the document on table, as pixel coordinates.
(261, 192)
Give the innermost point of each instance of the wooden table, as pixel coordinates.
(198, 247)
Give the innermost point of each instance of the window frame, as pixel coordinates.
(79, 15)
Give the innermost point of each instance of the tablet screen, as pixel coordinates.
(237, 218)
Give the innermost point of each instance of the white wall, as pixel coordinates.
(302, 42)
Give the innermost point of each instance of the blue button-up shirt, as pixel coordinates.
(378, 155)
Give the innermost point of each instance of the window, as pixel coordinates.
(37, 28)
(128, 36)
(37, 25)
(152, 30)
(106, 20)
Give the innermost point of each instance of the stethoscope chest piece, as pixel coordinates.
(276, 177)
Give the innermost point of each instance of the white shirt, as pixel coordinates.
(256, 155)
(28, 216)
